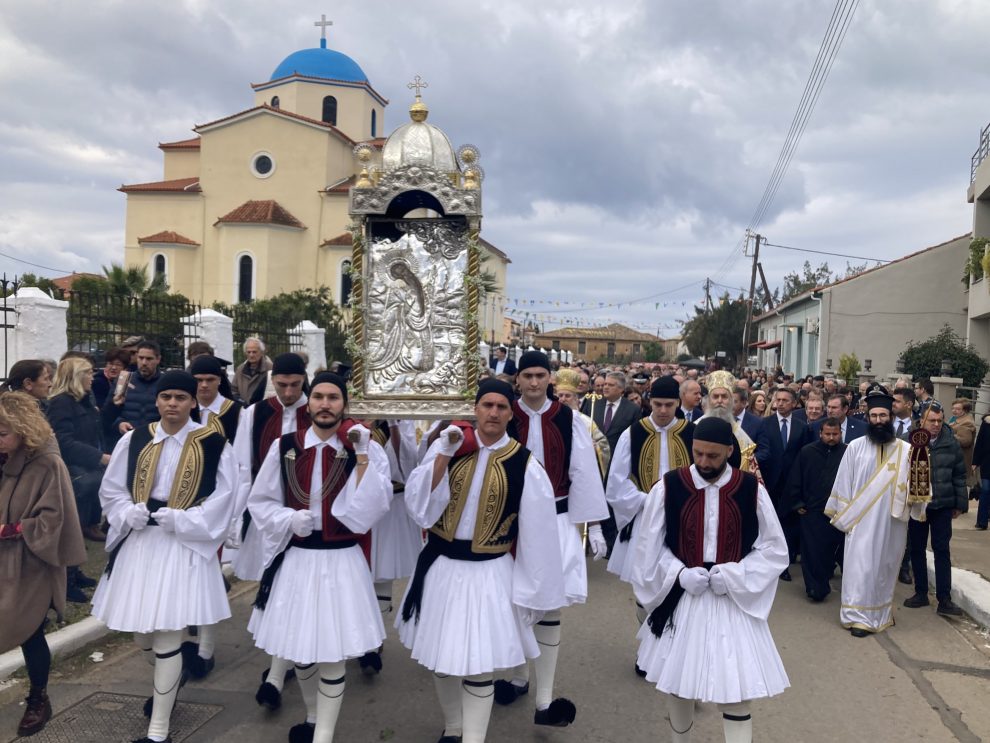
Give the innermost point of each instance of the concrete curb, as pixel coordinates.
(971, 591)
(70, 638)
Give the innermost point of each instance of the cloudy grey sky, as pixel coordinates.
(626, 144)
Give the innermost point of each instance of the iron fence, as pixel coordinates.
(98, 321)
(275, 329)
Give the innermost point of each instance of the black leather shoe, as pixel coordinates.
(786, 575)
(948, 609)
(37, 712)
(904, 576)
(84, 581)
(371, 663)
(149, 740)
(559, 714)
(506, 692)
(449, 739)
(639, 671)
(200, 667)
(75, 594)
(981, 527)
(267, 695)
(858, 632)
(302, 733)
(917, 601)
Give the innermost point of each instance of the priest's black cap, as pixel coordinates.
(877, 396)
(288, 363)
(206, 364)
(326, 377)
(177, 379)
(498, 387)
(715, 430)
(665, 388)
(533, 358)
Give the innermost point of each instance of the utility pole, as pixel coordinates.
(708, 296)
(752, 293)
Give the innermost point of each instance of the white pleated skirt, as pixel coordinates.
(249, 561)
(396, 541)
(572, 558)
(158, 583)
(322, 608)
(715, 652)
(468, 624)
(620, 561)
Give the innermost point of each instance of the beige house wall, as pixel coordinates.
(180, 164)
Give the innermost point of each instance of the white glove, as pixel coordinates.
(233, 540)
(137, 517)
(530, 617)
(165, 517)
(597, 541)
(303, 523)
(360, 437)
(716, 581)
(694, 580)
(450, 440)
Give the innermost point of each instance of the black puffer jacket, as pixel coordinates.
(948, 472)
(76, 424)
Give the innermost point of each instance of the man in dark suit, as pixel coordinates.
(613, 414)
(691, 400)
(838, 407)
(778, 442)
(500, 363)
(750, 422)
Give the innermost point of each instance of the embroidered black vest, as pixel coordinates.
(267, 427)
(196, 474)
(684, 508)
(497, 521)
(557, 429)
(226, 422)
(644, 450)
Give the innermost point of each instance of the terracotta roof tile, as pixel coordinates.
(280, 112)
(167, 236)
(344, 186)
(182, 144)
(614, 332)
(261, 212)
(65, 282)
(179, 185)
(344, 239)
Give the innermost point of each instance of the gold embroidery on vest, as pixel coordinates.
(145, 468)
(676, 448)
(461, 474)
(190, 470)
(491, 506)
(649, 458)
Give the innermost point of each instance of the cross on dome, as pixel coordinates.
(322, 25)
(418, 84)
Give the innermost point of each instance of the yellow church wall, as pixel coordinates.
(354, 105)
(181, 164)
(274, 251)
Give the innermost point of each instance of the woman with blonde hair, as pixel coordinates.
(758, 403)
(76, 423)
(39, 537)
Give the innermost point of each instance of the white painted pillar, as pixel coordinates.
(214, 328)
(484, 351)
(40, 330)
(517, 353)
(554, 355)
(312, 342)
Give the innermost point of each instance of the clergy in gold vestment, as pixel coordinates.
(869, 503)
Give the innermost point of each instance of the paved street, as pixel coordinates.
(926, 679)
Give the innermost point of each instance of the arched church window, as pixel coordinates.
(345, 283)
(330, 110)
(374, 123)
(245, 278)
(160, 267)
(275, 101)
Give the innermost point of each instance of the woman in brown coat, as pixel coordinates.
(39, 537)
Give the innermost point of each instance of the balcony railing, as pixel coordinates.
(981, 152)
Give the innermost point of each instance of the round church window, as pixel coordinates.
(262, 164)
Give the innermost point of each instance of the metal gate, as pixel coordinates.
(275, 329)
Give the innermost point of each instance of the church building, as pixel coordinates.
(256, 203)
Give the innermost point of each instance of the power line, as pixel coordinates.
(614, 304)
(36, 265)
(825, 252)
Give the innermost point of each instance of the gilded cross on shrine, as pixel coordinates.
(418, 84)
(322, 25)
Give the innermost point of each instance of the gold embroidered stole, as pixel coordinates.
(490, 524)
(649, 456)
(188, 475)
(884, 480)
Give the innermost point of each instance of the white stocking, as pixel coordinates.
(737, 722)
(640, 614)
(547, 632)
(681, 715)
(309, 680)
(143, 641)
(449, 694)
(383, 590)
(277, 671)
(168, 674)
(477, 695)
(331, 696)
(207, 640)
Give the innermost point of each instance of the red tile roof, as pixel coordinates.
(261, 212)
(279, 112)
(342, 187)
(179, 185)
(182, 144)
(65, 282)
(344, 239)
(167, 236)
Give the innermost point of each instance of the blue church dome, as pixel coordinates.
(320, 62)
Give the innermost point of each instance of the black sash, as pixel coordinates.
(313, 542)
(662, 617)
(436, 546)
(562, 505)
